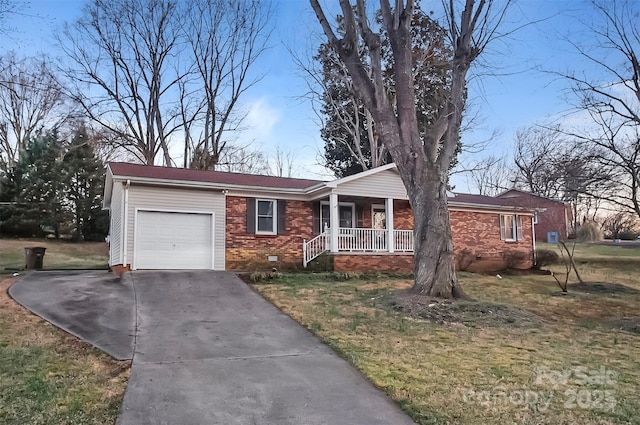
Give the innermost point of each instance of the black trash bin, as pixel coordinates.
(34, 257)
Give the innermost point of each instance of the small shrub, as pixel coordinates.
(265, 276)
(464, 259)
(516, 259)
(627, 236)
(589, 231)
(546, 257)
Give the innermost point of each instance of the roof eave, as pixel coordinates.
(207, 185)
(509, 208)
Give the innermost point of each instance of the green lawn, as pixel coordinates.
(521, 354)
(49, 377)
(59, 254)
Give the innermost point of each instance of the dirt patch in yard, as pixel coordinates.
(603, 288)
(475, 314)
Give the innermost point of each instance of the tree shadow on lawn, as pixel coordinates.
(603, 288)
(596, 309)
(470, 313)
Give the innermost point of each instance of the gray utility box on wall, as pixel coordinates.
(552, 237)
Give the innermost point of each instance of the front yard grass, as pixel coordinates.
(59, 254)
(50, 377)
(521, 354)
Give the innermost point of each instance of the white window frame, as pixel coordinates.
(274, 230)
(516, 227)
(341, 204)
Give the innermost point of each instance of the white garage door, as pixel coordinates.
(167, 240)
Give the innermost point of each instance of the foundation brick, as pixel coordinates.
(120, 269)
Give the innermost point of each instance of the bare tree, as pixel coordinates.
(7, 8)
(536, 152)
(282, 163)
(608, 92)
(31, 98)
(556, 164)
(491, 175)
(238, 159)
(122, 54)
(351, 143)
(423, 162)
(620, 223)
(226, 38)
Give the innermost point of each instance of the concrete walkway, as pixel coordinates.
(208, 350)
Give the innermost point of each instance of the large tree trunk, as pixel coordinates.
(434, 261)
(423, 161)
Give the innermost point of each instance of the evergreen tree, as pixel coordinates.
(41, 179)
(84, 175)
(349, 130)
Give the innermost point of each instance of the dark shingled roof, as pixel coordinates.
(467, 198)
(122, 169)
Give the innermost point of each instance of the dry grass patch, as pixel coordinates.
(49, 377)
(59, 254)
(471, 368)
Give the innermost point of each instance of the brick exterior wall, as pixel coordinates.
(119, 269)
(478, 247)
(245, 251)
(554, 216)
(476, 239)
(402, 215)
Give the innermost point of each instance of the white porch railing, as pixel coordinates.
(314, 247)
(403, 240)
(360, 239)
(357, 240)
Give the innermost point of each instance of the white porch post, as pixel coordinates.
(388, 206)
(334, 221)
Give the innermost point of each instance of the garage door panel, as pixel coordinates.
(168, 240)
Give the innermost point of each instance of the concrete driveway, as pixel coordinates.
(209, 350)
(95, 306)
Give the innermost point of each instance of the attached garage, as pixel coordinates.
(173, 240)
(160, 225)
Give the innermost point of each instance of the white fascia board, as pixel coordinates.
(207, 185)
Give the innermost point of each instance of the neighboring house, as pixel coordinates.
(551, 215)
(173, 218)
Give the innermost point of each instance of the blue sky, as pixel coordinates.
(516, 97)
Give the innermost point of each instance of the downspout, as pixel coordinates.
(533, 238)
(125, 222)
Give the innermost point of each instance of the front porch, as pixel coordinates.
(361, 215)
(358, 241)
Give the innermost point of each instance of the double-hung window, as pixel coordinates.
(510, 227)
(266, 216)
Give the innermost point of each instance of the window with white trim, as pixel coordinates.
(266, 216)
(510, 227)
(346, 215)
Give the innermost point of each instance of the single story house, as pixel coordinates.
(175, 218)
(551, 216)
